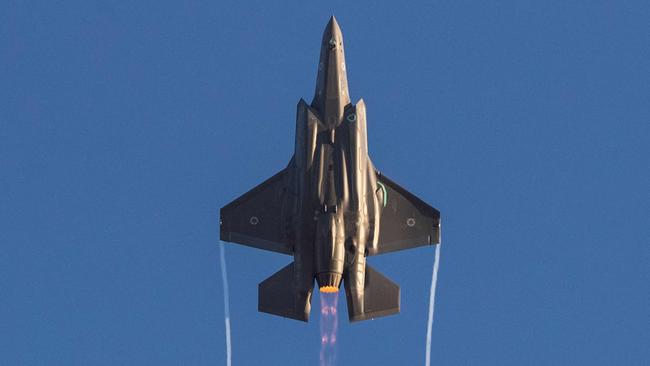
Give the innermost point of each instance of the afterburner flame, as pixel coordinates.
(329, 289)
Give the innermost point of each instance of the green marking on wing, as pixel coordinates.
(383, 188)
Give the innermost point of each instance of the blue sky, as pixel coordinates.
(125, 126)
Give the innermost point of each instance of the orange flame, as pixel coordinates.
(329, 289)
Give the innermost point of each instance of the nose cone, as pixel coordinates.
(332, 35)
(331, 83)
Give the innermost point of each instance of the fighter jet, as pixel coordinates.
(330, 208)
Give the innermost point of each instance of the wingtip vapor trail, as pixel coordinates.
(226, 303)
(432, 303)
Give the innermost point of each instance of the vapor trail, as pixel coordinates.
(432, 303)
(226, 302)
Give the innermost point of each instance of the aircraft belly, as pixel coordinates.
(329, 207)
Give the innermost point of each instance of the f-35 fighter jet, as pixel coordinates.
(330, 208)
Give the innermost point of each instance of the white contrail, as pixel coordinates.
(432, 303)
(226, 302)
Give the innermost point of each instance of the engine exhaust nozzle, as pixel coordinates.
(328, 281)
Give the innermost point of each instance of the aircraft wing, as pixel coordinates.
(257, 218)
(406, 221)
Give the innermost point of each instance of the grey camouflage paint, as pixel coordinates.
(330, 208)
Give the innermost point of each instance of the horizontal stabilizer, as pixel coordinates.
(381, 297)
(278, 295)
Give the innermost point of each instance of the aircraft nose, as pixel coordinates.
(333, 26)
(332, 35)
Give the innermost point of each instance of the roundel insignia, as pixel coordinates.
(352, 117)
(254, 220)
(410, 222)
